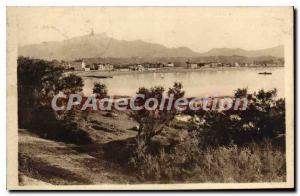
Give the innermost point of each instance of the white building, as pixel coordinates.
(101, 67)
(109, 67)
(170, 65)
(140, 68)
(193, 65)
(78, 66)
(83, 65)
(105, 67)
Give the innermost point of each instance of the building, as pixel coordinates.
(179, 64)
(170, 64)
(94, 66)
(137, 67)
(78, 66)
(109, 67)
(192, 65)
(217, 65)
(66, 65)
(101, 67)
(105, 67)
(140, 68)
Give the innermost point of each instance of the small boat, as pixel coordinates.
(265, 73)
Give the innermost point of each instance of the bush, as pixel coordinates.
(153, 122)
(48, 126)
(188, 163)
(173, 165)
(71, 84)
(264, 118)
(255, 163)
(100, 90)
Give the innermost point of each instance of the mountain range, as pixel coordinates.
(100, 45)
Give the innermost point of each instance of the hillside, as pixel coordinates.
(47, 162)
(100, 45)
(277, 51)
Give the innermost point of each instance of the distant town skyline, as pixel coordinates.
(198, 28)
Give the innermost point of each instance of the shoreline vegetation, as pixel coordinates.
(133, 147)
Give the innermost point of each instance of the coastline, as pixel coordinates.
(109, 74)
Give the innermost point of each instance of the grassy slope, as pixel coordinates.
(47, 161)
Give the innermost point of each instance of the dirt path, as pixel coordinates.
(56, 163)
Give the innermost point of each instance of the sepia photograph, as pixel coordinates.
(150, 98)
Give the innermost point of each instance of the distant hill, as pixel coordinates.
(100, 45)
(277, 51)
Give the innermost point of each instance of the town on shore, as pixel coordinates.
(89, 65)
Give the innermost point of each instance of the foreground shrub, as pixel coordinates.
(166, 165)
(241, 164)
(186, 163)
(264, 118)
(153, 122)
(46, 124)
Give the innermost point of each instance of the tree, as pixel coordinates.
(38, 82)
(152, 122)
(264, 118)
(176, 90)
(100, 90)
(71, 84)
(96, 66)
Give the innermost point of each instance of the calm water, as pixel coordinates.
(196, 84)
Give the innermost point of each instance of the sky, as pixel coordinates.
(198, 28)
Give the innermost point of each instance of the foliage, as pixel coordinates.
(223, 146)
(176, 90)
(264, 118)
(252, 163)
(67, 130)
(190, 164)
(71, 84)
(38, 82)
(152, 122)
(171, 166)
(100, 90)
(96, 66)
